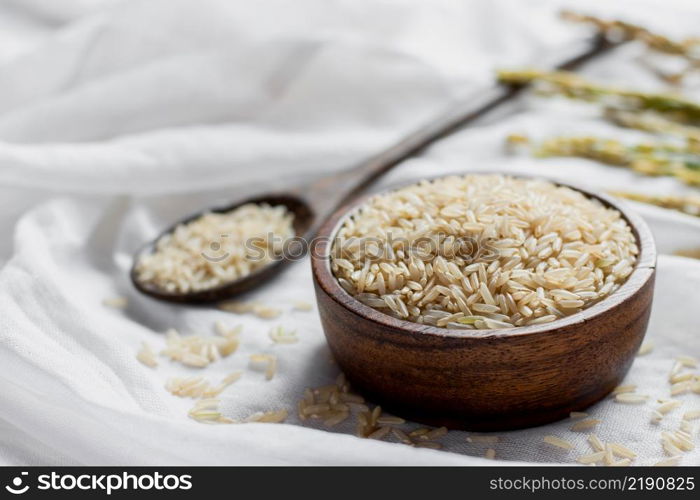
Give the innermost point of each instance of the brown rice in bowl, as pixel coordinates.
(483, 252)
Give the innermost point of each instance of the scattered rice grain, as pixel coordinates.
(592, 458)
(301, 305)
(669, 462)
(558, 442)
(483, 439)
(147, 356)
(622, 389)
(630, 398)
(116, 302)
(596, 443)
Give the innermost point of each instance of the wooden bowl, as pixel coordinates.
(486, 379)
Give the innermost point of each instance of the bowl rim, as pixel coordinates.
(643, 270)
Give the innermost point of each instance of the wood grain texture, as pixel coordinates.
(487, 379)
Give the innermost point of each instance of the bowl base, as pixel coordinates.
(481, 422)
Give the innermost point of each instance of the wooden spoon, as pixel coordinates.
(312, 203)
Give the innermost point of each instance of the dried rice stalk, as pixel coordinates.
(623, 30)
(692, 253)
(685, 204)
(649, 158)
(668, 106)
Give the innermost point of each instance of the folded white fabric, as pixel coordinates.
(136, 113)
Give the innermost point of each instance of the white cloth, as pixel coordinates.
(117, 118)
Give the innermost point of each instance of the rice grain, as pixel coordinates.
(146, 356)
(116, 302)
(583, 425)
(596, 443)
(669, 462)
(645, 348)
(630, 398)
(558, 442)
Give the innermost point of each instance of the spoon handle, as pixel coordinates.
(328, 193)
